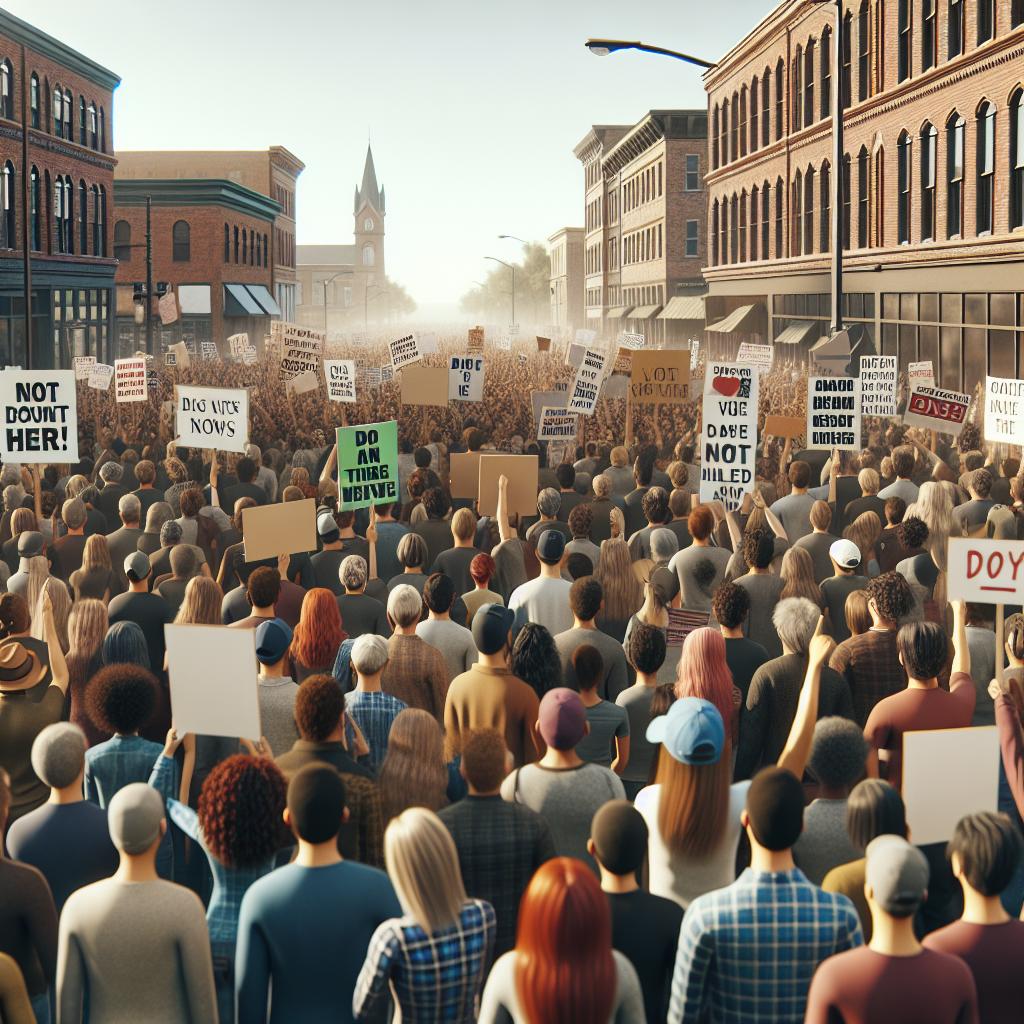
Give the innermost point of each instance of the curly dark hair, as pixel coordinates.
(535, 658)
(191, 501)
(731, 605)
(436, 503)
(655, 506)
(892, 595)
(646, 648)
(585, 596)
(581, 518)
(319, 705)
(240, 811)
(758, 548)
(912, 533)
(121, 698)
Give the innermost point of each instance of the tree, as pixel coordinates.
(493, 296)
(400, 302)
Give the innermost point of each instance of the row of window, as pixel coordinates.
(646, 295)
(254, 248)
(641, 246)
(592, 259)
(56, 108)
(285, 197)
(284, 248)
(79, 222)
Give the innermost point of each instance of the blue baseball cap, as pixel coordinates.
(272, 640)
(692, 731)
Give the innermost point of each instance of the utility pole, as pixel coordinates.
(26, 234)
(838, 170)
(149, 275)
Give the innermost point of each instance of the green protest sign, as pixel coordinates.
(367, 465)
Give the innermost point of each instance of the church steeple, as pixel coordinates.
(368, 191)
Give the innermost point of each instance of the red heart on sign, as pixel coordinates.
(727, 386)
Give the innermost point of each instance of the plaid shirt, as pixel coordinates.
(748, 951)
(416, 674)
(112, 765)
(435, 977)
(871, 667)
(374, 713)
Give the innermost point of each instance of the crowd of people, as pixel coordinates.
(633, 758)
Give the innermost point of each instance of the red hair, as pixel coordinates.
(318, 634)
(564, 966)
(704, 672)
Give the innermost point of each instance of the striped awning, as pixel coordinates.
(643, 312)
(739, 320)
(617, 312)
(798, 333)
(683, 307)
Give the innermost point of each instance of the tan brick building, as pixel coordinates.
(645, 212)
(565, 254)
(933, 197)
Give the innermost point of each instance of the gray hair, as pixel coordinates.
(130, 508)
(58, 754)
(10, 473)
(664, 544)
(369, 654)
(795, 620)
(868, 480)
(14, 495)
(73, 513)
(352, 572)
(252, 451)
(549, 501)
(170, 533)
(405, 605)
(602, 485)
(111, 472)
(837, 752)
(412, 551)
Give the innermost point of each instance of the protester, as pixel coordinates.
(317, 636)
(149, 612)
(846, 559)
(455, 642)
(481, 569)
(275, 687)
(544, 600)
(360, 613)
(535, 658)
(415, 772)
(607, 740)
(416, 673)
(731, 606)
(586, 599)
(646, 655)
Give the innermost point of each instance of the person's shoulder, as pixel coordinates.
(845, 877)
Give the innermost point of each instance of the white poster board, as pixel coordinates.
(1004, 410)
(756, 355)
(729, 437)
(130, 379)
(404, 350)
(301, 348)
(100, 377)
(303, 383)
(556, 424)
(632, 340)
(427, 342)
(833, 413)
(948, 773)
(387, 374)
(340, 375)
(40, 416)
(371, 377)
(587, 386)
(585, 337)
(83, 366)
(922, 373)
(879, 391)
(200, 655)
(237, 344)
(986, 571)
(466, 379)
(215, 418)
(937, 409)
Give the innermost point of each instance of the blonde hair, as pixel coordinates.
(463, 524)
(201, 604)
(864, 531)
(623, 594)
(96, 554)
(423, 865)
(869, 481)
(798, 576)
(61, 601)
(413, 773)
(87, 626)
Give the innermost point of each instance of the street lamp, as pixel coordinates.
(515, 238)
(326, 282)
(603, 47)
(378, 291)
(512, 267)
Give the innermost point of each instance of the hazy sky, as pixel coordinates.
(474, 106)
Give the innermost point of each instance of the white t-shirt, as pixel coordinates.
(682, 878)
(545, 601)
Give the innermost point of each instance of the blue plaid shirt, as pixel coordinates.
(436, 977)
(748, 951)
(112, 765)
(374, 713)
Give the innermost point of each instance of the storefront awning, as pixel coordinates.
(617, 312)
(643, 312)
(262, 295)
(798, 333)
(238, 302)
(741, 320)
(683, 307)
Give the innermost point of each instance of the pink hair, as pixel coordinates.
(704, 672)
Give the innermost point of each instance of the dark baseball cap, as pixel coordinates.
(30, 544)
(550, 546)
(491, 626)
(272, 640)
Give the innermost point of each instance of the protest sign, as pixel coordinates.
(466, 379)
(130, 379)
(100, 376)
(167, 307)
(878, 385)
(661, 376)
(40, 413)
(986, 571)
(921, 373)
(585, 337)
(195, 656)
(209, 351)
(729, 436)
(1004, 410)
(367, 465)
(587, 386)
(303, 383)
(83, 366)
(521, 471)
(505, 343)
(340, 375)
(562, 387)
(784, 426)
(182, 359)
(301, 348)
(404, 351)
(936, 409)
(694, 354)
(476, 339)
(387, 374)
(556, 425)
(615, 386)
(464, 469)
(424, 385)
(371, 377)
(948, 773)
(170, 358)
(630, 340)
(237, 344)
(427, 343)
(284, 528)
(249, 356)
(513, 330)
(756, 355)
(213, 418)
(623, 361)
(574, 355)
(539, 399)
(543, 344)
(833, 413)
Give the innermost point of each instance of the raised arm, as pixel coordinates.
(371, 540)
(798, 745)
(332, 461)
(214, 476)
(501, 513)
(58, 666)
(961, 650)
(773, 520)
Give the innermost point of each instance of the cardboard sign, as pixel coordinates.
(249, 356)
(574, 355)
(301, 348)
(466, 379)
(367, 465)
(921, 373)
(948, 773)
(424, 385)
(833, 413)
(209, 351)
(404, 351)
(284, 528)
(216, 418)
(936, 409)
(587, 386)
(505, 343)
(784, 426)
(879, 386)
(729, 437)
(986, 571)
(198, 654)
(557, 425)
(522, 473)
(543, 344)
(631, 341)
(682, 622)
(83, 366)
(554, 399)
(237, 344)
(167, 307)
(661, 376)
(40, 411)
(476, 339)
(340, 375)
(623, 361)
(615, 386)
(100, 376)
(303, 383)
(427, 343)
(130, 379)
(756, 355)
(585, 337)
(182, 358)
(464, 468)
(1004, 410)
(371, 376)
(694, 354)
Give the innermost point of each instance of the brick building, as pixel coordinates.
(565, 256)
(68, 179)
(211, 244)
(933, 197)
(645, 233)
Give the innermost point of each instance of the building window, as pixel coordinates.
(725, 131)
(734, 229)
(181, 242)
(929, 147)
(779, 220)
(33, 100)
(7, 226)
(266, 252)
(766, 210)
(954, 175)
(903, 41)
(59, 208)
(83, 218)
(236, 243)
(845, 83)
(826, 72)
(986, 20)
(1016, 13)
(825, 205)
(955, 28)
(368, 256)
(259, 250)
(798, 214)
(929, 35)
(755, 135)
(714, 234)
(809, 83)
(122, 241)
(58, 110)
(83, 122)
(692, 172)
(34, 210)
(863, 199)
(691, 238)
(780, 99)
(723, 228)
(796, 103)
(99, 221)
(986, 164)
(903, 188)
(103, 132)
(808, 246)
(863, 52)
(714, 138)
(742, 127)
(847, 191)
(1017, 160)
(245, 246)
(755, 235)
(6, 90)
(93, 130)
(766, 107)
(227, 244)
(66, 116)
(734, 148)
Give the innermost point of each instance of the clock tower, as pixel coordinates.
(369, 209)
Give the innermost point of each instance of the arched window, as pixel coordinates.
(766, 107)
(368, 255)
(986, 20)
(103, 131)
(83, 122)
(742, 126)
(266, 251)
(725, 131)
(903, 188)
(227, 244)
(252, 248)
(6, 90)
(929, 35)
(94, 139)
(1016, 13)
(847, 191)
(755, 135)
(33, 100)
(798, 214)
(245, 245)
(734, 128)
(809, 83)
(181, 242)
(863, 199)
(955, 29)
(259, 251)
(83, 218)
(903, 41)
(7, 226)
(780, 99)
(825, 205)
(755, 235)
(986, 166)
(863, 52)
(57, 109)
(954, 175)
(67, 116)
(929, 155)
(808, 246)
(1017, 160)
(714, 138)
(714, 234)
(723, 228)
(825, 102)
(236, 243)
(122, 241)
(58, 214)
(766, 211)
(34, 211)
(743, 226)
(99, 221)
(779, 219)
(879, 192)
(734, 251)
(796, 103)
(69, 214)
(846, 57)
